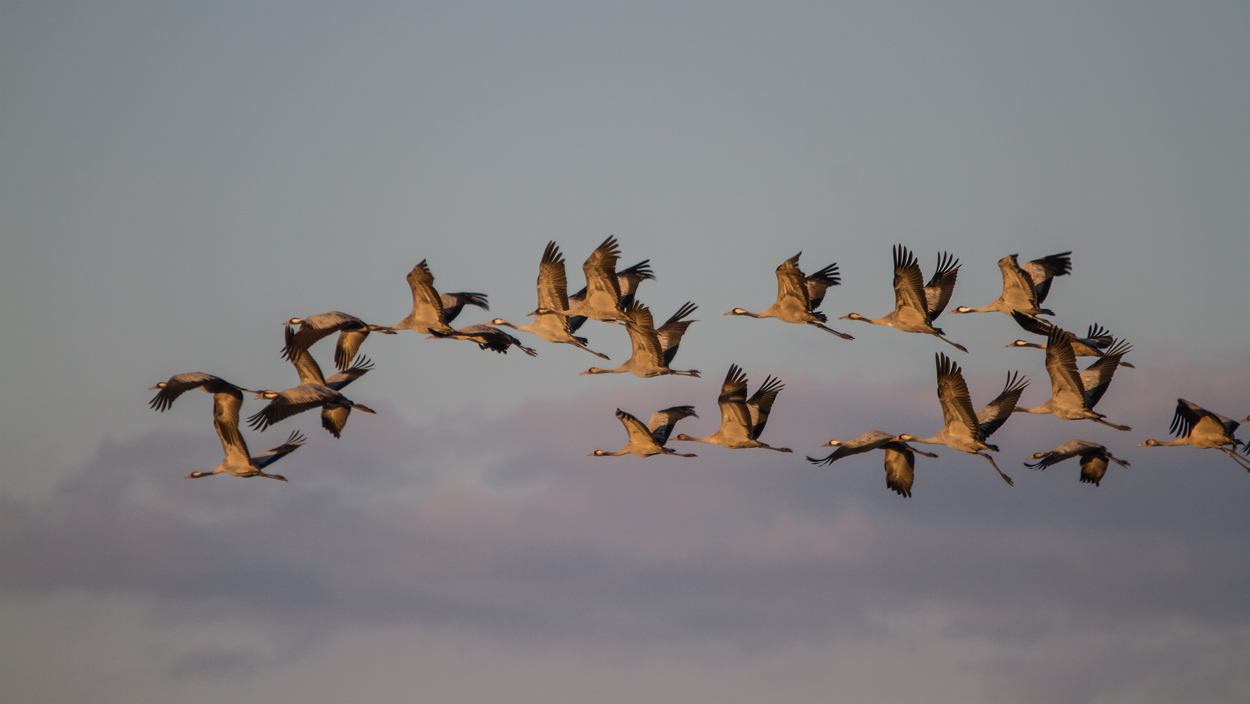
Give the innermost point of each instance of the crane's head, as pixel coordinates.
(294, 321)
(739, 311)
(962, 309)
(161, 385)
(267, 394)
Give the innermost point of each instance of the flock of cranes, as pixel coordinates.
(609, 297)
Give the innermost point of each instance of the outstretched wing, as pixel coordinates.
(957, 414)
(307, 368)
(1097, 377)
(334, 418)
(1187, 416)
(870, 440)
(552, 281)
(1042, 271)
(643, 337)
(264, 459)
(662, 422)
(339, 380)
(315, 327)
(226, 404)
(453, 303)
(909, 295)
(600, 271)
(1037, 326)
(627, 280)
(820, 282)
(1099, 336)
(937, 293)
(671, 331)
(900, 468)
(291, 402)
(761, 402)
(427, 305)
(735, 419)
(1018, 290)
(792, 284)
(1066, 386)
(996, 412)
(179, 384)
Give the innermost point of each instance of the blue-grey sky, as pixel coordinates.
(178, 179)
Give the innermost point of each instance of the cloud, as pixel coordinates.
(503, 527)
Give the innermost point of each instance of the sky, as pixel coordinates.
(178, 179)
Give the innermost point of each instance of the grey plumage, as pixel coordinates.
(627, 281)
(1021, 291)
(1074, 394)
(900, 458)
(314, 391)
(916, 306)
(1197, 427)
(432, 312)
(645, 441)
(962, 430)
(487, 337)
(742, 419)
(352, 333)
(1093, 456)
(552, 287)
(1095, 343)
(238, 462)
(653, 350)
(798, 296)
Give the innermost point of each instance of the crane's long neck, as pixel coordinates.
(196, 475)
(1159, 443)
(993, 307)
(857, 316)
